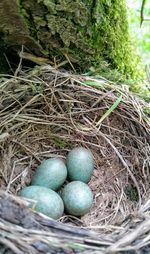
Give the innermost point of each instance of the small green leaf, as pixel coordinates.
(110, 110)
(94, 83)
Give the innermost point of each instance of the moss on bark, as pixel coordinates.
(86, 32)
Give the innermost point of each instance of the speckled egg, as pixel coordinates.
(45, 201)
(50, 173)
(80, 164)
(77, 197)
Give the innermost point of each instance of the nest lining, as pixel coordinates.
(45, 113)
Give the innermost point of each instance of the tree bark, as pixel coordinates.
(85, 33)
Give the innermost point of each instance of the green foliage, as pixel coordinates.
(140, 34)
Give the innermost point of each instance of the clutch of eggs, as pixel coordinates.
(51, 175)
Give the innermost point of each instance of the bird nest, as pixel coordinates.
(44, 113)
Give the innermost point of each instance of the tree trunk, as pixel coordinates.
(85, 33)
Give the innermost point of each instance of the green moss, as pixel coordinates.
(59, 142)
(140, 89)
(131, 193)
(147, 111)
(114, 39)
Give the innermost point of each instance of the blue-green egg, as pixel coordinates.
(80, 164)
(50, 173)
(44, 200)
(77, 197)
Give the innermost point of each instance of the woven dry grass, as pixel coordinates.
(44, 113)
